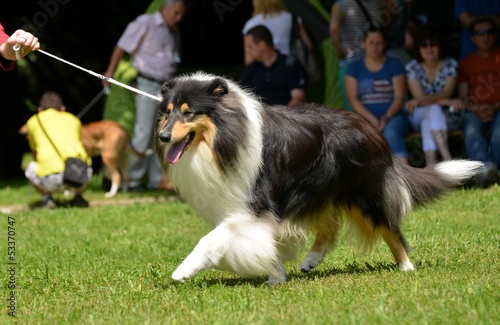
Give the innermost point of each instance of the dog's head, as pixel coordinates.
(196, 109)
(185, 114)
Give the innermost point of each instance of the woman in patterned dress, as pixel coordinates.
(432, 79)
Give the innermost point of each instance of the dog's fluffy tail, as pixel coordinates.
(426, 184)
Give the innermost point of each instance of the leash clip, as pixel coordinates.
(18, 49)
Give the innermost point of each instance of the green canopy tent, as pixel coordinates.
(316, 19)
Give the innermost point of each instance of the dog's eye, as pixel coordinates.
(188, 114)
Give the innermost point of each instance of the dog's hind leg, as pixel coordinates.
(115, 183)
(113, 190)
(111, 164)
(398, 247)
(326, 237)
(323, 243)
(245, 247)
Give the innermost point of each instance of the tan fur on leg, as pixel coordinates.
(393, 240)
(326, 227)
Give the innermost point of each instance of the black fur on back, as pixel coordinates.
(314, 156)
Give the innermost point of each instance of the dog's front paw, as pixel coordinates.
(188, 268)
(182, 273)
(406, 266)
(178, 276)
(310, 262)
(273, 280)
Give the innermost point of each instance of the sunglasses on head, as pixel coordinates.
(482, 32)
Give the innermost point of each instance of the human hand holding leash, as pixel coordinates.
(18, 45)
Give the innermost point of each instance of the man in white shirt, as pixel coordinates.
(153, 42)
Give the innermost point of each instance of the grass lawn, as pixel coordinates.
(111, 264)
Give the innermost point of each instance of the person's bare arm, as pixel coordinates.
(399, 87)
(421, 99)
(116, 56)
(351, 89)
(246, 57)
(462, 91)
(336, 18)
(304, 35)
(298, 97)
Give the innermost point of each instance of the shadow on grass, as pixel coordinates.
(60, 202)
(259, 281)
(350, 268)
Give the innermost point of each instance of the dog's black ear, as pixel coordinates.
(167, 86)
(218, 87)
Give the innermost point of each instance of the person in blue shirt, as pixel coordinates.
(375, 86)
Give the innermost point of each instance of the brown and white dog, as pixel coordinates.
(111, 141)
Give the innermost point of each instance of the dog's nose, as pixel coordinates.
(165, 136)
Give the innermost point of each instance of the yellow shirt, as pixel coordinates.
(64, 129)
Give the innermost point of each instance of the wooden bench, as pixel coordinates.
(414, 145)
(451, 134)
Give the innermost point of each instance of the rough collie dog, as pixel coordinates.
(265, 177)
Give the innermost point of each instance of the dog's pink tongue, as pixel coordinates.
(174, 153)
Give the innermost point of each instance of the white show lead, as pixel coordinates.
(17, 48)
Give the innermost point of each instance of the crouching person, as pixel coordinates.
(55, 135)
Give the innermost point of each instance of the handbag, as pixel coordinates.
(303, 54)
(453, 119)
(75, 170)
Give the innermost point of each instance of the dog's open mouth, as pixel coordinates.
(177, 149)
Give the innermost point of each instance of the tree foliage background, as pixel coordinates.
(85, 32)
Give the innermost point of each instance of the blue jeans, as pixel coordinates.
(477, 145)
(395, 131)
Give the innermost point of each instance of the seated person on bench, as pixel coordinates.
(432, 80)
(479, 86)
